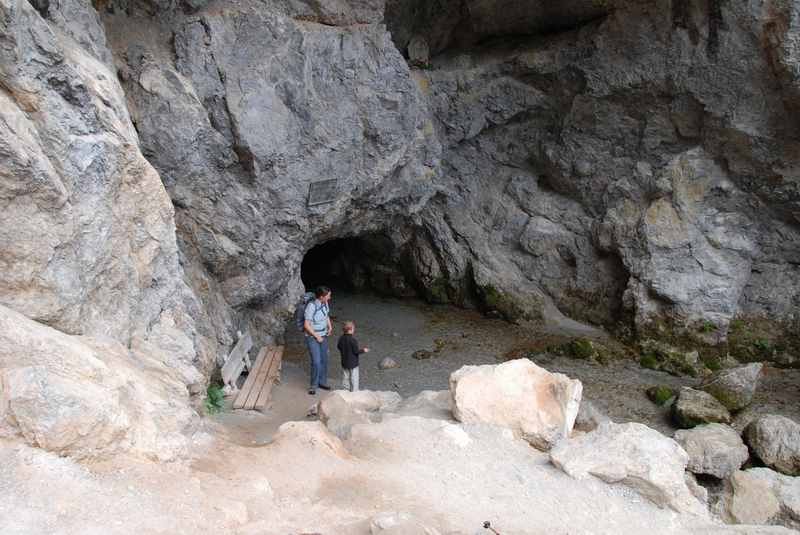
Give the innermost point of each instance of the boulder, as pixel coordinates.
(88, 398)
(539, 405)
(763, 496)
(776, 441)
(695, 407)
(713, 449)
(387, 363)
(589, 417)
(341, 409)
(735, 387)
(634, 455)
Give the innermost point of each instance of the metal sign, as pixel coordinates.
(321, 192)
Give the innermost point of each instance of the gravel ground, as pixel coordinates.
(397, 328)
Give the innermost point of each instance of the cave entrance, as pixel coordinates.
(363, 264)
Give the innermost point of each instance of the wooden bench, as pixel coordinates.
(237, 361)
(258, 386)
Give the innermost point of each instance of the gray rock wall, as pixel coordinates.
(87, 232)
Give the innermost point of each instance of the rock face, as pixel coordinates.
(242, 109)
(85, 397)
(776, 441)
(761, 496)
(713, 449)
(634, 455)
(735, 387)
(519, 395)
(555, 176)
(695, 407)
(87, 232)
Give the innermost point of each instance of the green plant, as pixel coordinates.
(581, 348)
(707, 327)
(649, 360)
(215, 399)
(660, 394)
(737, 325)
(762, 344)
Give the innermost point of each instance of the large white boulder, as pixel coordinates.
(87, 398)
(634, 455)
(776, 441)
(539, 405)
(713, 449)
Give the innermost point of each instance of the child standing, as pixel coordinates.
(348, 347)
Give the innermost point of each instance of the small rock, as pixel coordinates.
(422, 354)
(694, 407)
(195, 389)
(713, 449)
(387, 363)
(392, 523)
(735, 387)
(418, 51)
(776, 441)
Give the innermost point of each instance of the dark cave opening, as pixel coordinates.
(368, 263)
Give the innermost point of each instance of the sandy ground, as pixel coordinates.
(397, 328)
(244, 478)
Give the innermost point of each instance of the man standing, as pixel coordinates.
(318, 327)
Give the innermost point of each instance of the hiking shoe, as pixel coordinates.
(312, 392)
(325, 387)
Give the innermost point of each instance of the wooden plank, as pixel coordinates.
(235, 362)
(261, 376)
(238, 403)
(275, 368)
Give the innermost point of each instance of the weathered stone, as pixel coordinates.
(634, 455)
(418, 51)
(735, 387)
(88, 398)
(428, 404)
(695, 407)
(518, 394)
(388, 363)
(762, 496)
(340, 409)
(776, 441)
(589, 417)
(713, 449)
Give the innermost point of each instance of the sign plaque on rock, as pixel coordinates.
(322, 192)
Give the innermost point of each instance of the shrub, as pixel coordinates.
(660, 394)
(581, 348)
(215, 399)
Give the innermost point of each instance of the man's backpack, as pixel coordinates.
(300, 310)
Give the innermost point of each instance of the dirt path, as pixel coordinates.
(397, 328)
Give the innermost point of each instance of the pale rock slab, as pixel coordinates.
(341, 409)
(88, 398)
(634, 455)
